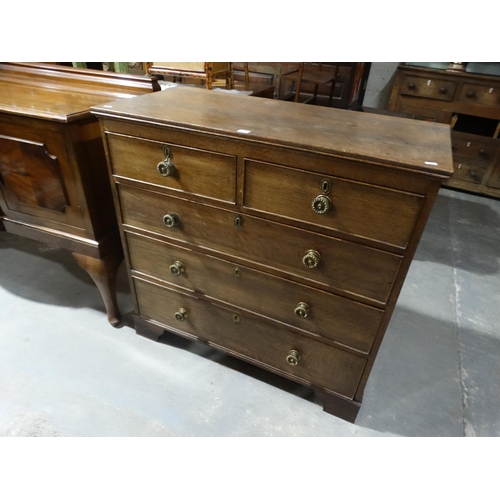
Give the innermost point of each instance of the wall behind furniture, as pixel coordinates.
(379, 85)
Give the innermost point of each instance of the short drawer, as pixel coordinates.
(196, 171)
(331, 262)
(483, 95)
(336, 318)
(467, 170)
(431, 88)
(318, 364)
(363, 210)
(474, 147)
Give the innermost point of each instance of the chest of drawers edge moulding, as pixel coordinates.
(201, 122)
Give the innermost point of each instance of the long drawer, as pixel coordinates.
(336, 318)
(331, 262)
(190, 170)
(363, 210)
(316, 363)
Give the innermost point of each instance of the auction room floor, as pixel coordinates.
(64, 371)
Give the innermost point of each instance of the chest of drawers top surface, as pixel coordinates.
(392, 141)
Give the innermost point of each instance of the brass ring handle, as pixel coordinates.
(321, 204)
(166, 167)
(181, 314)
(311, 259)
(177, 268)
(171, 220)
(293, 357)
(302, 310)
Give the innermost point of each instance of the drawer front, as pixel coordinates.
(467, 170)
(363, 210)
(321, 365)
(333, 317)
(421, 112)
(196, 171)
(431, 88)
(472, 147)
(341, 265)
(480, 94)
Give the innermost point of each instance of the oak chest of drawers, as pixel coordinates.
(277, 232)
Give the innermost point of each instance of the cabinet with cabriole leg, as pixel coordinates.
(54, 186)
(277, 233)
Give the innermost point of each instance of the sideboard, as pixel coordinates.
(54, 185)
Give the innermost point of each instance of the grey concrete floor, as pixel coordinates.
(65, 372)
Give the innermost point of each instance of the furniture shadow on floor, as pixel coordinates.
(232, 363)
(51, 275)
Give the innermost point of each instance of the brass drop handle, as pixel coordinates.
(311, 259)
(171, 220)
(177, 268)
(166, 167)
(321, 204)
(302, 310)
(293, 357)
(181, 314)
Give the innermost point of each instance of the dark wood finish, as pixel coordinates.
(470, 103)
(348, 92)
(104, 272)
(54, 185)
(238, 272)
(138, 160)
(313, 75)
(204, 226)
(333, 317)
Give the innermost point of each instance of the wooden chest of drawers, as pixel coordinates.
(470, 103)
(277, 232)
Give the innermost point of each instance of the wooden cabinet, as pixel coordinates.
(54, 185)
(470, 103)
(278, 233)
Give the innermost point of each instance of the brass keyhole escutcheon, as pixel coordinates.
(236, 318)
(166, 167)
(321, 204)
(293, 357)
(237, 272)
(181, 314)
(177, 268)
(325, 186)
(238, 221)
(311, 259)
(171, 220)
(302, 310)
